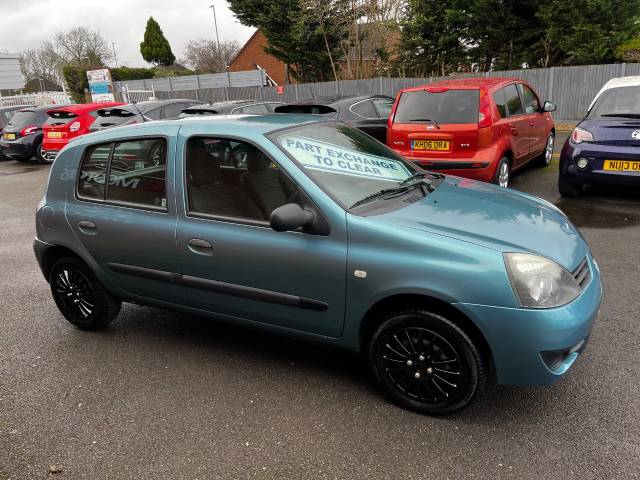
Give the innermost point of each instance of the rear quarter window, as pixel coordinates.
(448, 107)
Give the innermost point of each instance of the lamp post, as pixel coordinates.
(222, 62)
(115, 57)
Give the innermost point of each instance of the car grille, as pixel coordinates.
(582, 274)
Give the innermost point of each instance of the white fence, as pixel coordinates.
(42, 98)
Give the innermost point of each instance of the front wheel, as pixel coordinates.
(568, 189)
(80, 296)
(426, 363)
(503, 173)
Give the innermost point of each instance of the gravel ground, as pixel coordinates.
(162, 395)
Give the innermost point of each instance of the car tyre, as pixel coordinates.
(424, 362)
(40, 155)
(568, 189)
(80, 296)
(544, 160)
(503, 173)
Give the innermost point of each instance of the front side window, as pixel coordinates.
(136, 172)
(446, 107)
(233, 179)
(344, 161)
(512, 99)
(529, 99)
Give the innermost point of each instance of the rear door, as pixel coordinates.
(128, 223)
(436, 123)
(517, 124)
(536, 120)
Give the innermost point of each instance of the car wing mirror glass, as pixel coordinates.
(290, 216)
(549, 107)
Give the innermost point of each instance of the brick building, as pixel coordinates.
(252, 56)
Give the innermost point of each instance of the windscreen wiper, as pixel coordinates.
(416, 180)
(431, 120)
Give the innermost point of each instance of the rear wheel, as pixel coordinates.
(544, 160)
(80, 296)
(426, 363)
(503, 173)
(568, 189)
(41, 155)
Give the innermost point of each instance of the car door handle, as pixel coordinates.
(88, 227)
(201, 247)
(513, 129)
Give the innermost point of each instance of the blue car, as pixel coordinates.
(311, 228)
(603, 148)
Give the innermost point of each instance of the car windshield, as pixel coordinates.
(345, 162)
(617, 102)
(447, 107)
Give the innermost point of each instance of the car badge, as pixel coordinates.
(636, 135)
(431, 127)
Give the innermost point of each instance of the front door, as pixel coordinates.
(536, 118)
(233, 263)
(128, 223)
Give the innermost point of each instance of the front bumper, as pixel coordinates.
(521, 339)
(595, 174)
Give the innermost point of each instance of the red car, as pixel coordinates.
(67, 122)
(480, 128)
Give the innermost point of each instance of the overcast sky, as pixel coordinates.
(26, 23)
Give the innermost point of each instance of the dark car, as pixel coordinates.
(603, 148)
(140, 112)
(369, 113)
(5, 116)
(22, 137)
(231, 107)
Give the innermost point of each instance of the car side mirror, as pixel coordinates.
(548, 107)
(290, 217)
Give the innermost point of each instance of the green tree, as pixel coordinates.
(629, 51)
(306, 35)
(77, 82)
(589, 31)
(155, 48)
(432, 41)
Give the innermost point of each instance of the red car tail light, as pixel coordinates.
(484, 115)
(30, 130)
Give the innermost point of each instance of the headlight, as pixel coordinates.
(538, 282)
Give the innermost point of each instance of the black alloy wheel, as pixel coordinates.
(79, 295)
(426, 363)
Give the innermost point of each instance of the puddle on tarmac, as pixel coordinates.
(588, 212)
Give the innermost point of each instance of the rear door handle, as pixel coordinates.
(88, 227)
(199, 246)
(513, 129)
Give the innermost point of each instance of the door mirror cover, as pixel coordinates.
(549, 107)
(290, 216)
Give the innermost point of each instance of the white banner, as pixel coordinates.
(317, 155)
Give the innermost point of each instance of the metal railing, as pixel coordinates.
(41, 98)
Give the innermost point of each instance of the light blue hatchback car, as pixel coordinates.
(311, 228)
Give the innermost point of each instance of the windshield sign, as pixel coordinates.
(344, 161)
(316, 155)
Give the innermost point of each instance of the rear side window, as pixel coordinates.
(529, 99)
(448, 107)
(512, 97)
(136, 170)
(365, 109)
(501, 102)
(93, 171)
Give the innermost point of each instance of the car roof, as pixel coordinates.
(38, 108)
(335, 101)
(467, 83)
(631, 81)
(84, 107)
(219, 107)
(11, 108)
